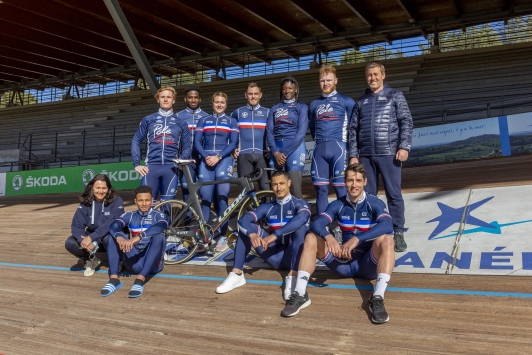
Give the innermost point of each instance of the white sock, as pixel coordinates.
(382, 283)
(288, 280)
(302, 280)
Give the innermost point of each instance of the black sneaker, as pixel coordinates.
(295, 303)
(376, 307)
(399, 242)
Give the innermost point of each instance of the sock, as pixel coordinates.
(288, 282)
(302, 280)
(382, 283)
(115, 282)
(138, 282)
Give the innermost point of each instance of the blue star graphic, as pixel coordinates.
(450, 216)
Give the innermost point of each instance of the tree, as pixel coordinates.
(373, 54)
(27, 98)
(517, 30)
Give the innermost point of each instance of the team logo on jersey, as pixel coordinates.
(382, 98)
(289, 212)
(334, 98)
(87, 176)
(273, 216)
(244, 114)
(158, 121)
(345, 217)
(17, 182)
(259, 113)
(303, 156)
(365, 102)
(364, 214)
(281, 116)
(326, 113)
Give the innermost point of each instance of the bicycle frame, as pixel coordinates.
(193, 187)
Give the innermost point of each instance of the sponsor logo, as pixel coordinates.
(17, 182)
(160, 129)
(45, 181)
(244, 114)
(450, 216)
(294, 162)
(107, 213)
(87, 176)
(382, 98)
(122, 175)
(259, 113)
(365, 102)
(304, 278)
(364, 214)
(273, 216)
(345, 217)
(289, 212)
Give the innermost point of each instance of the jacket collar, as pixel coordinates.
(329, 95)
(285, 200)
(189, 110)
(253, 108)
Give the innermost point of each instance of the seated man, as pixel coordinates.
(142, 252)
(288, 218)
(367, 244)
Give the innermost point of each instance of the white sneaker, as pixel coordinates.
(287, 291)
(231, 282)
(91, 265)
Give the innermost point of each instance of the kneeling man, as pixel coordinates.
(367, 249)
(142, 251)
(288, 219)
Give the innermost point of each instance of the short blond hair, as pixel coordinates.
(327, 69)
(371, 65)
(166, 88)
(220, 93)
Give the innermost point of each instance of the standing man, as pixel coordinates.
(252, 124)
(167, 138)
(380, 135)
(191, 115)
(329, 117)
(367, 246)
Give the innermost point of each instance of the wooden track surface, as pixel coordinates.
(48, 309)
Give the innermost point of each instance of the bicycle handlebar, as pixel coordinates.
(184, 161)
(260, 171)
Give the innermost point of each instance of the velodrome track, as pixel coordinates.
(48, 307)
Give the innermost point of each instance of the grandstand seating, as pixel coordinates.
(467, 85)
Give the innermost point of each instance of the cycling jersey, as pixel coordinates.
(329, 117)
(367, 219)
(141, 223)
(282, 216)
(252, 126)
(287, 122)
(167, 137)
(216, 134)
(191, 117)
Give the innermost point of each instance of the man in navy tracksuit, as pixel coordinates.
(367, 245)
(138, 241)
(168, 138)
(252, 125)
(287, 218)
(191, 115)
(329, 117)
(380, 137)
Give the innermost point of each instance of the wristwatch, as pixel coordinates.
(219, 156)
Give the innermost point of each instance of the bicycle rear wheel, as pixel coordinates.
(249, 205)
(181, 240)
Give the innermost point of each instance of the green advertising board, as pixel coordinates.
(72, 179)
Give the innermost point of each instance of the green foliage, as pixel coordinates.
(27, 98)
(374, 54)
(517, 30)
(185, 79)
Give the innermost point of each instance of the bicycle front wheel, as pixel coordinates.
(181, 241)
(249, 205)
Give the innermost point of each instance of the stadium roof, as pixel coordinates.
(55, 42)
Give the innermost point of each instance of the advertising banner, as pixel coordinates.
(2, 184)
(71, 179)
(486, 138)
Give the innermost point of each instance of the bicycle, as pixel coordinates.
(188, 228)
